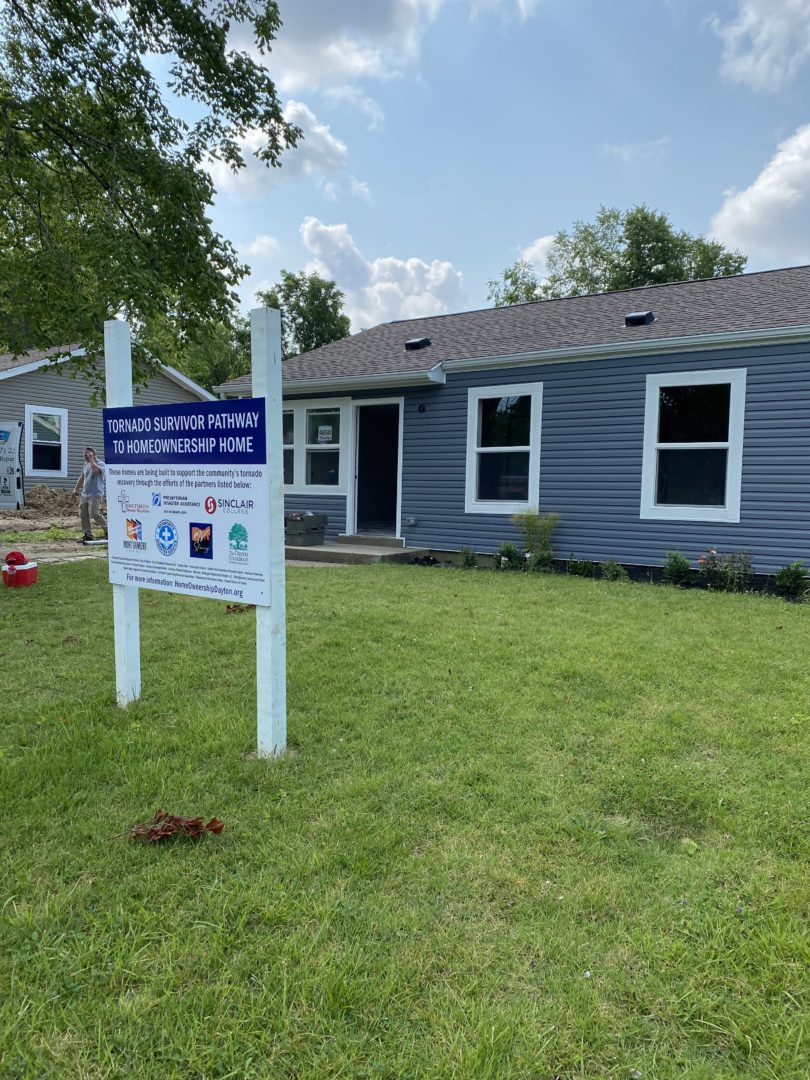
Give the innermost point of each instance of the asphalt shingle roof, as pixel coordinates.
(9, 360)
(767, 300)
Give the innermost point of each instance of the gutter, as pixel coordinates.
(383, 380)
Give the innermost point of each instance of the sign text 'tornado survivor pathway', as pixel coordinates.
(187, 497)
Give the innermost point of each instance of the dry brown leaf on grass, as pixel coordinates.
(163, 825)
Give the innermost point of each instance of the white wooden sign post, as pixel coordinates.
(126, 609)
(200, 495)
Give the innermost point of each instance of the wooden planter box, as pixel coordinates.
(305, 531)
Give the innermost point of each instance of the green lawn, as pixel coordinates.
(471, 863)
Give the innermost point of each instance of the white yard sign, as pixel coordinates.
(195, 497)
(188, 498)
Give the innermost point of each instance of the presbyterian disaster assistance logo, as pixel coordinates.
(201, 540)
(134, 538)
(238, 543)
(166, 537)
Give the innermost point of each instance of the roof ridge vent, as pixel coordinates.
(639, 318)
(417, 343)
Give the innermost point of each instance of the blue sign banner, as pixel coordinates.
(194, 433)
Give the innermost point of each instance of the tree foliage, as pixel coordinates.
(210, 353)
(616, 251)
(311, 311)
(103, 191)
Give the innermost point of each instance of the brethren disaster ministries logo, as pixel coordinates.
(201, 540)
(166, 537)
(238, 544)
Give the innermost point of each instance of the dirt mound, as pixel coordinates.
(50, 501)
(43, 508)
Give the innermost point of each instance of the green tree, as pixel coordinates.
(518, 285)
(617, 251)
(311, 311)
(104, 193)
(211, 353)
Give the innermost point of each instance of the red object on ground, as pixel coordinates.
(18, 571)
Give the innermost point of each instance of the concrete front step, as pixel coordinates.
(371, 540)
(351, 553)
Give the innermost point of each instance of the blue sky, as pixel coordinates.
(447, 138)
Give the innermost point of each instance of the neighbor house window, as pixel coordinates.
(693, 441)
(503, 448)
(46, 441)
(315, 461)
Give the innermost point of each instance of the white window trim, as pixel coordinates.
(730, 512)
(474, 505)
(50, 410)
(300, 446)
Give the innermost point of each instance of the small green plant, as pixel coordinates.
(469, 560)
(791, 580)
(613, 571)
(537, 531)
(736, 571)
(709, 567)
(677, 570)
(580, 567)
(509, 558)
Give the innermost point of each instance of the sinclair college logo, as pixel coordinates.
(238, 543)
(201, 540)
(166, 537)
(210, 505)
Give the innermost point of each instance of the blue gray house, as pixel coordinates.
(672, 416)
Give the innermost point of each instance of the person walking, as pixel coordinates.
(91, 486)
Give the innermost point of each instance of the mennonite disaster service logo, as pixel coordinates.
(166, 537)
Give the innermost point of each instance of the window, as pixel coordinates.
(288, 419)
(323, 447)
(693, 439)
(503, 448)
(46, 443)
(313, 459)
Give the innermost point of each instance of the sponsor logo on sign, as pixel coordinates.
(4, 436)
(134, 540)
(210, 505)
(166, 537)
(201, 540)
(128, 507)
(235, 506)
(156, 499)
(238, 543)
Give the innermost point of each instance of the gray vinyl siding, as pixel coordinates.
(53, 388)
(591, 460)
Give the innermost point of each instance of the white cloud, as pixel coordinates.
(536, 253)
(630, 152)
(356, 99)
(319, 157)
(326, 44)
(260, 247)
(382, 289)
(770, 219)
(767, 42)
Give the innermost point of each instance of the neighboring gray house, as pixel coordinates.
(673, 416)
(58, 417)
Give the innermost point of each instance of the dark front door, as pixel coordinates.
(377, 465)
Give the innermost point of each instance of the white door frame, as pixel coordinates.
(351, 499)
